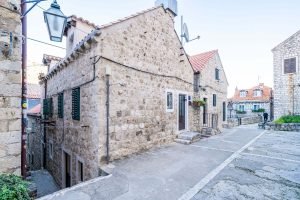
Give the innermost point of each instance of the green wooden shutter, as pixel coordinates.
(47, 108)
(76, 104)
(60, 105)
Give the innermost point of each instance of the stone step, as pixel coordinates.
(181, 141)
(192, 136)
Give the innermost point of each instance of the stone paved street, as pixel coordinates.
(241, 163)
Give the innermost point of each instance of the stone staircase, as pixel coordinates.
(188, 137)
(207, 132)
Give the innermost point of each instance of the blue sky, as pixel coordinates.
(244, 31)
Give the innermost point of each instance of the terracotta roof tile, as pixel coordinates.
(199, 61)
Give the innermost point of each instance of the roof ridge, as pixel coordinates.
(281, 43)
(215, 50)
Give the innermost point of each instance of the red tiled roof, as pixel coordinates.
(266, 94)
(35, 110)
(200, 60)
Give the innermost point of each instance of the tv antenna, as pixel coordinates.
(185, 33)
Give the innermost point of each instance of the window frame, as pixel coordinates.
(257, 106)
(217, 74)
(243, 92)
(242, 105)
(60, 105)
(166, 96)
(286, 58)
(214, 100)
(255, 92)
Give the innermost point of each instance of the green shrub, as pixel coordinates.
(288, 119)
(259, 110)
(12, 187)
(240, 112)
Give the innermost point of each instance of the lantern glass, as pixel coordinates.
(56, 22)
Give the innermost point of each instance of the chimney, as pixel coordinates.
(76, 29)
(170, 5)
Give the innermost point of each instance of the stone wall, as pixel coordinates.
(284, 93)
(209, 86)
(145, 59)
(10, 88)
(149, 44)
(283, 127)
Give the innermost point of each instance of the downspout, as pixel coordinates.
(24, 90)
(107, 117)
(45, 131)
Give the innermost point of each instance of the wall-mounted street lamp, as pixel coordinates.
(56, 22)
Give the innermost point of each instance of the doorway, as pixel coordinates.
(66, 170)
(182, 110)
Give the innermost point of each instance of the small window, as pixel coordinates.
(196, 82)
(217, 74)
(79, 171)
(243, 93)
(76, 104)
(214, 100)
(60, 105)
(170, 105)
(290, 65)
(257, 93)
(256, 107)
(241, 108)
(51, 150)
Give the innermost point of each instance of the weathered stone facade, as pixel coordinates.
(209, 85)
(10, 88)
(142, 55)
(286, 85)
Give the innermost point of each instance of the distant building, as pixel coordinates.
(210, 85)
(287, 76)
(253, 101)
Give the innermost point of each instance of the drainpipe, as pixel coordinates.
(24, 90)
(45, 132)
(107, 118)
(108, 73)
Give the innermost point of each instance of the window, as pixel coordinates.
(243, 93)
(196, 82)
(76, 104)
(224, 111)
(217, 74)
(289, 65)
(241, 108)
(170, 102)
(256, 107)
(79, 171)
(60, 105)
(257, 93)
(47, 108)
(214, 100)
(51, 149)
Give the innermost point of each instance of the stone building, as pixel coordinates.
(10, 87)
(140, 62)
(287, 77)
(254, 101)
(210, 86)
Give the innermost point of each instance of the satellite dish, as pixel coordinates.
(185, 32)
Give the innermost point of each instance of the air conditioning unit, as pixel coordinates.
(168, 4)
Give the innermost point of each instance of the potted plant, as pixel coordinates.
(198, 103)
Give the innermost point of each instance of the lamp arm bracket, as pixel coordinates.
(36, 2)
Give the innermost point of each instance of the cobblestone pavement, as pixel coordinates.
(240, 163)
(44, 182)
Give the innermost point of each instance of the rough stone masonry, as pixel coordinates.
(10, 87)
